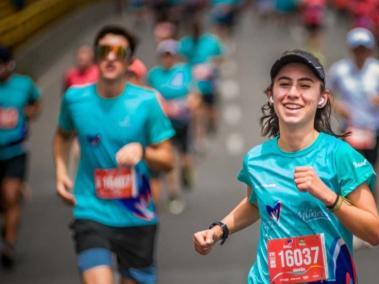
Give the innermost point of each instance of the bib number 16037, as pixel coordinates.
(297, 260)
(299, 257)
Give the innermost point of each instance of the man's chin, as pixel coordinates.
(110, 77)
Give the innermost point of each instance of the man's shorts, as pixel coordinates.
(15, 167)
(133, 247)
(210, 100)
(181, 140)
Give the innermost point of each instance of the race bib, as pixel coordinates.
(8, 118)
(361, 139)
(297, 260)
(119, 183)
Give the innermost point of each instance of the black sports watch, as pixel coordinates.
(224, 228)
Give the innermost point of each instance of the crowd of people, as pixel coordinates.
(126, 132)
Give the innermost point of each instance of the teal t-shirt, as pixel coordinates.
(287, 212)
(103, 126)
(202, 52)
(207, 47)
(15, 94)
(226, 2)
(174, 84)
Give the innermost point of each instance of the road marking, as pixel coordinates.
(235, 144)
(232, 114)
(229, 89)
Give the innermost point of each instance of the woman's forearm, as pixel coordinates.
(361, 223)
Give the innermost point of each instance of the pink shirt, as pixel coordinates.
(75, 77)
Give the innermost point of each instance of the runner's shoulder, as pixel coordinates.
(145, 93)
(22, 78)
(79, 92)
(258, 151)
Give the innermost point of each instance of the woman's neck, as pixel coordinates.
(295, 140)
(110, 89)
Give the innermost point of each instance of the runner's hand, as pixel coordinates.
(307, 180)
(64, 188)
(203, 241)
(129, 155)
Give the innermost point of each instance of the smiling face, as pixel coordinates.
(296, 94)
(113, 64)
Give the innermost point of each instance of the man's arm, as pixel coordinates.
(32, 110)
(61, 146)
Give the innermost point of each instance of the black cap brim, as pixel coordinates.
(298, 57)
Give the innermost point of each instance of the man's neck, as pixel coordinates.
(110, 89)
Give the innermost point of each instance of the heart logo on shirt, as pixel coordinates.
(274, 212)
(93, 139)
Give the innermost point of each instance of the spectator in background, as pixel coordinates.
(203, 51)
(84, 71)
(19, 104)
(356, 81)
(174, 82)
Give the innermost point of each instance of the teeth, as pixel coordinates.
(292, 107)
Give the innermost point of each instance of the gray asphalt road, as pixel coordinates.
(45, 251)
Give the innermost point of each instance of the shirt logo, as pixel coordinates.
(178, 80)
(360, 164)
(94, 140)
(311, 214)
(274, 212)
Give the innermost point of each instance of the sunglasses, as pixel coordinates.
(102, 51)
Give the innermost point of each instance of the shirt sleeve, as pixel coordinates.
(353, 170)
(65, 119)
(34, 93)
(244, 176)
(160, 128)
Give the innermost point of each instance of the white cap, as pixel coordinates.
(360, 37)
(168, 46)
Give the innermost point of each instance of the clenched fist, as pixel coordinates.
(130, 155)
(307, 180)
(203, 241)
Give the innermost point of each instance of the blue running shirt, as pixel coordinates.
(103, 126)
(287, 212)
(174, 84)
(202, 52)
(15, 94)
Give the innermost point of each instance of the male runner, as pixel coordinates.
(19, 103)
(121, 130)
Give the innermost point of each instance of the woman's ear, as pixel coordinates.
(269, 96)
(323, 99)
